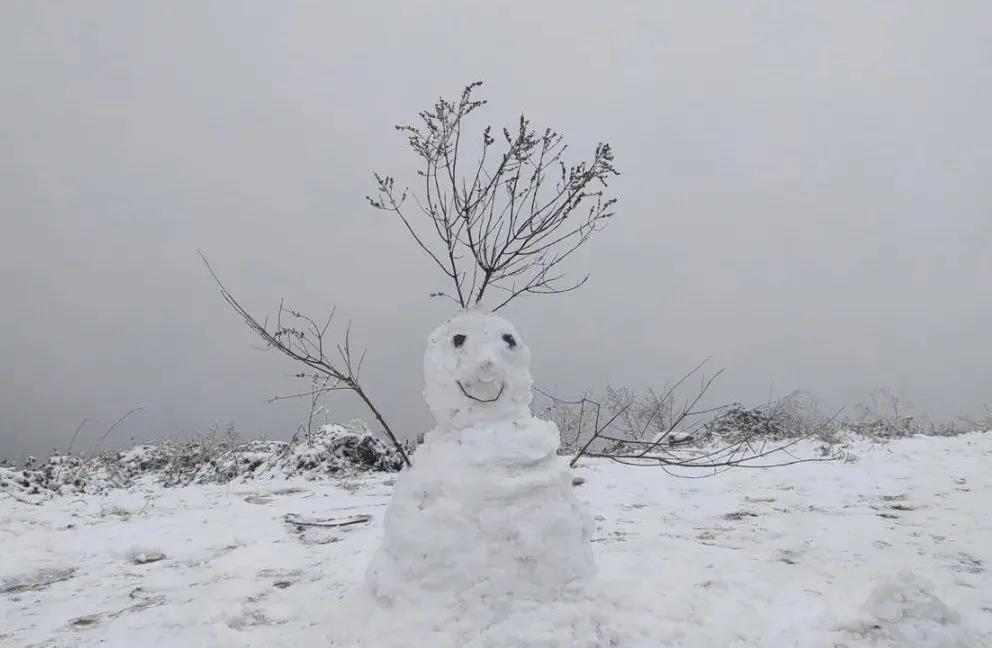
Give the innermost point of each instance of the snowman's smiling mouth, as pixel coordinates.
(495, 398)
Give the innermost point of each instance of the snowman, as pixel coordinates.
(487, 513)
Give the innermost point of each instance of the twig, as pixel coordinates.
(306, 346)
(114, 427)
(21, 499)
(746, 452)
(293, 518)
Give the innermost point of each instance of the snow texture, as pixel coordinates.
(805, 556)
(905, 610)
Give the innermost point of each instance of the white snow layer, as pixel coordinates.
(807, 556)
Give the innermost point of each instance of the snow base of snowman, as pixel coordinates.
(485, 545)
(485, 541)
(487, 512)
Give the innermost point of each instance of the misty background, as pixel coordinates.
(805, 196)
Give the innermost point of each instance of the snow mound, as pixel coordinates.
(487, 512)
(904, 611)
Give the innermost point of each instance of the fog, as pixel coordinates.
(805, 196)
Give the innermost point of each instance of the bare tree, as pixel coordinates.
(504, 221)
(304, 340)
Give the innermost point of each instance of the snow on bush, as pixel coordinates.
(334, 450)
(738, 423)
(214, 458)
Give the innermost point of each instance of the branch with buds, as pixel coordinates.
(509, 220)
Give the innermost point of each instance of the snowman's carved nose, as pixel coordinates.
(487, 369)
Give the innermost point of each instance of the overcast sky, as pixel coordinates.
(806, 196)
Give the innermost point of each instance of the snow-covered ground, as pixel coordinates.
(893, 550)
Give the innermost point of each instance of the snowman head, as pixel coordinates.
(476, 370)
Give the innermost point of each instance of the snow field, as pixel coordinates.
(892, 550)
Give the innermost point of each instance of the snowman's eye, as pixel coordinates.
(458, 340)
(510, 342)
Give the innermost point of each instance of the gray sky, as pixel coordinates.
(806, 196)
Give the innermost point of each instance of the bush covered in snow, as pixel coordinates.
(738, 423)
(217, 457)
(885, 415)
(796, 416)
(905, 611)
(334, 450)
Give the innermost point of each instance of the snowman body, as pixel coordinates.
(488, 511)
